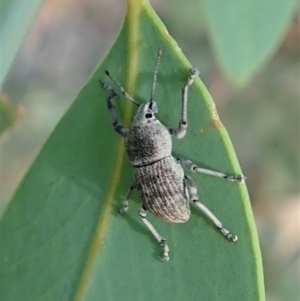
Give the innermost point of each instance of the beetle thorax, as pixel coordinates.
(148, 142)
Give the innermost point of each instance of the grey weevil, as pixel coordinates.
(166, 191)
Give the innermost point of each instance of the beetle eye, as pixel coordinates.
(148, 115)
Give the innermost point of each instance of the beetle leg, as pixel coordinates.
(194, 199)
(193, 167)
(126, 200)
(119, 128)
(158, 237)
(182, 126)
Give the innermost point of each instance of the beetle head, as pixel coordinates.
(146, 113)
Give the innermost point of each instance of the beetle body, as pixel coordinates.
(165, 190)
(158, 177)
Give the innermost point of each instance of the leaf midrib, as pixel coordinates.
(134, 9)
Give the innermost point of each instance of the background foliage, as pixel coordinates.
(262, 118)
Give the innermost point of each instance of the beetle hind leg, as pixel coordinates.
(162, 241)
(195, 200)
(126, 200)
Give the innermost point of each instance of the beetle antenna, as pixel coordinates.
(159, 53)
(122, 89)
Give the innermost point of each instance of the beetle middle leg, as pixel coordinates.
(195, 168)
(195, 200)
(158, 237)
(182, 126)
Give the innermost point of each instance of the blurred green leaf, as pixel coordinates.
(246, 33)
(16, 19)
(8, 114)
(60, 236)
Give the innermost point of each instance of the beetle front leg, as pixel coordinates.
(119, 128)
(158, 237)
(182, 126)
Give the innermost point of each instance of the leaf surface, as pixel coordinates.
(60, 236)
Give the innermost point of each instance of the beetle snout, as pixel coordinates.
(153, 107)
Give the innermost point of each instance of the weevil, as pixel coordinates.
(165, 190)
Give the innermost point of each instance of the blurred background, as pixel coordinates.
(68, 40)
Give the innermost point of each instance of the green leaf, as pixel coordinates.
(8, 114)
(16, 19)
(246, 33)
(60, 236)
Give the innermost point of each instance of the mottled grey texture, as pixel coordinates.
(148, 142)
(162, 190)
(159, 178)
